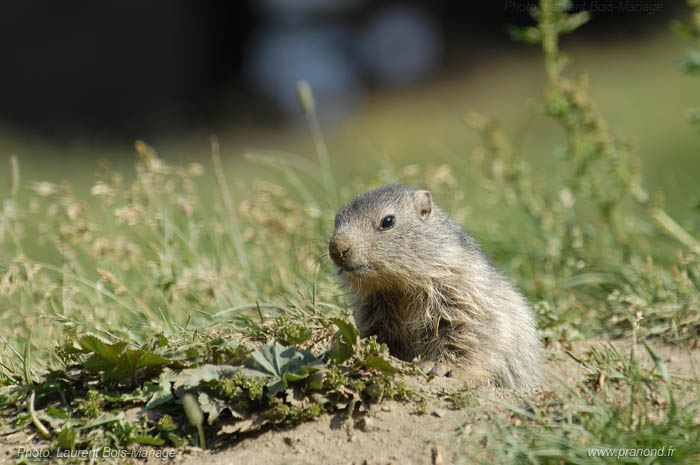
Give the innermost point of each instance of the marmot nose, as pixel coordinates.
(339, 251)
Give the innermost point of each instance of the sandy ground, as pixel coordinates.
(393, 432)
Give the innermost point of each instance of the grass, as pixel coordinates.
(163, 285)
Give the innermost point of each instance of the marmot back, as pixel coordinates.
(421, 284)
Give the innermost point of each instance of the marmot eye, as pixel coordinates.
(387, 222)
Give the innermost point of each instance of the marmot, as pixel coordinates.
(421, 284)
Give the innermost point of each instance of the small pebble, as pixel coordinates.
(365, 424)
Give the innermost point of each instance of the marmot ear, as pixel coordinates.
(424, 204)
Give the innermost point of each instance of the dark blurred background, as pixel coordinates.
(122, 70)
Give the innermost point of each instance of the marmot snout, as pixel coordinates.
(421, 284)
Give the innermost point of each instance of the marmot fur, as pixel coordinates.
(420, 283)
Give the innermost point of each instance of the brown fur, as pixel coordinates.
(425, 289)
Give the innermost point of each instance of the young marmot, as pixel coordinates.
(421, 284)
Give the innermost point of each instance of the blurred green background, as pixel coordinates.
(631, 59)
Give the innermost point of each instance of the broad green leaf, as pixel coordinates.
(175, 439)
(20, 421)
(56, 412)
(115, 361)
(223, 351)
(66, 438)
(137, 395)
(150, 360)
(191, 378)
(211, 406)
(104, 350)
(345, 346)
(347, 329)
(161, 392)
(283, 365)
(380, 364)
(11, 395)
(112, 370)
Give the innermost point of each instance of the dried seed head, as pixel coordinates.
(14, 175)
(192, 410)
(306, 97)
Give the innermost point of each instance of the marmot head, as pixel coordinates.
(383, 235)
